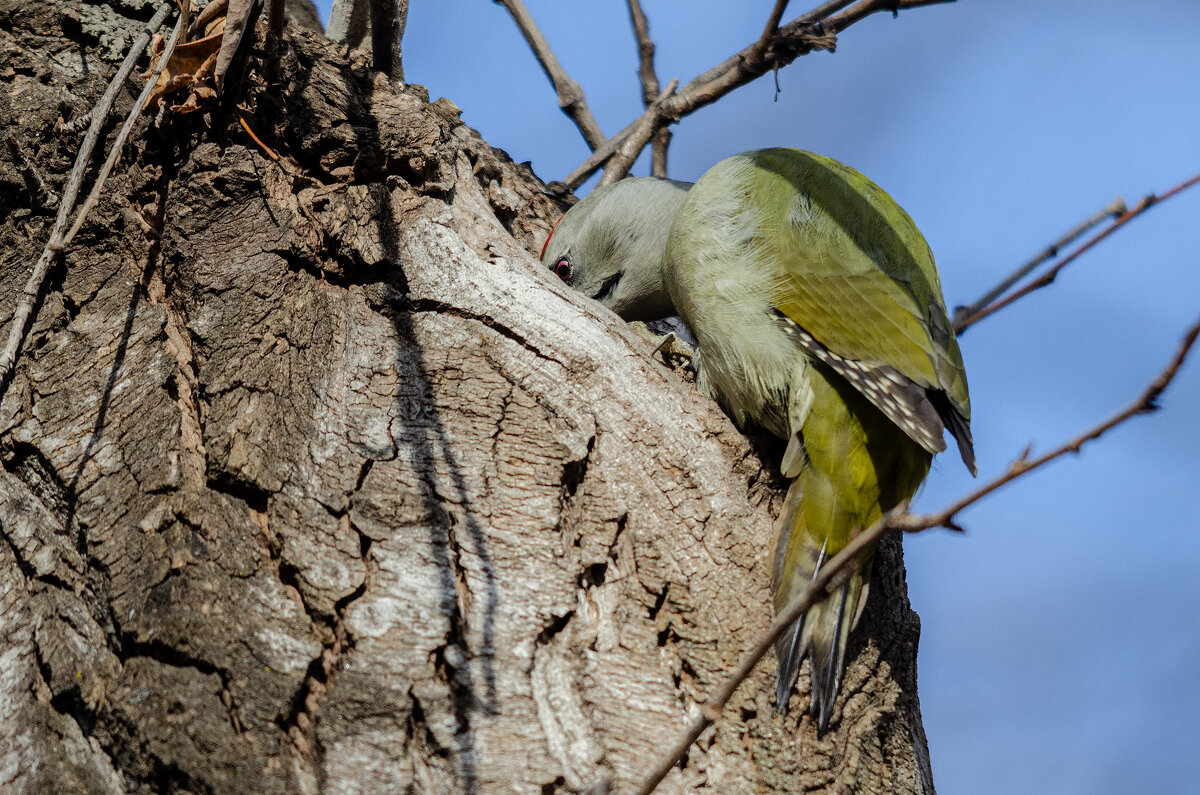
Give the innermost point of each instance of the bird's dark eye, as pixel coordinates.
(562, 269)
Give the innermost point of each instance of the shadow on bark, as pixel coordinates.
(423, 436)
(137, 296)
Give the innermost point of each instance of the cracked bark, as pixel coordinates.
(327, 487)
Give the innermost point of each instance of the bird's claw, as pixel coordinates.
(675, 351)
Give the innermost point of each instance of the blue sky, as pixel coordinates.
(1061, 635)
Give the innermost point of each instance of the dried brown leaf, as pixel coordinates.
(190, 63)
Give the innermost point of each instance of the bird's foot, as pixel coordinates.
(675, 351)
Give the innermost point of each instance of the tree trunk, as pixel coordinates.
(314, 481)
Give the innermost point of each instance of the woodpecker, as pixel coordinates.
(818, 312)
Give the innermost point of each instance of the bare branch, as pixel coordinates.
(348, 22)
(597, 158)
(641, 30)
(1113, 209)
(632, 146)
(602, 153)
(118, 144)
(661, 139)
(658, 154)
(1145, 403)
(38, 190)
(815, 30)
(33, 287)
(570, 95)
(757, 51)
(351, 22)
(388, 19)
(622, 160)
(962, 323)
(865, 8)
(775, 18)
(898, 519)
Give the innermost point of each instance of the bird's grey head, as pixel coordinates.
(610, 245)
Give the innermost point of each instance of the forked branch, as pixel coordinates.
(1113, 209)
(965, 317)
(815, 30)
(622, 159)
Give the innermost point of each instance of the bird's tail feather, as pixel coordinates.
(789, 648)
(827, 627)
(823, 633)
(790, 654)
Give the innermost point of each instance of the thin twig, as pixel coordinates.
(632, 146)
(772, 26)
(815, 30)
(898, 519)
(33, 287)
(1113, 209)
(661, 139)
(39, 192)
(603, 153)
(768, 34)
(118, 144)
(756, 52)
(963, 323)
(76, 124)
(1144, 404)
(641, 31)
(866, 8)
(658, 152)
(268, 150)
(570, 95)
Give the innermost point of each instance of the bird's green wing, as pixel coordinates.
(854, 270)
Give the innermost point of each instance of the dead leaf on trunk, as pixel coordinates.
(191, 65)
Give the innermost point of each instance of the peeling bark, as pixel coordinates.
(314, 481)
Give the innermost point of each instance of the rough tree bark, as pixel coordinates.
(313, 480)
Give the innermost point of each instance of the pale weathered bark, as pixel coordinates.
(328, 487)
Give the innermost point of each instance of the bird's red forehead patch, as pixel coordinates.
(556, 223)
